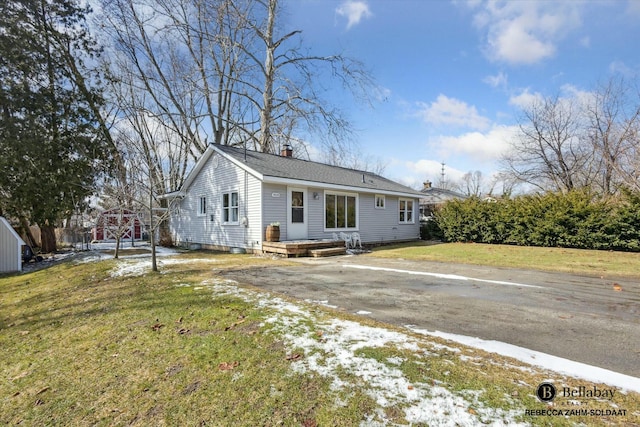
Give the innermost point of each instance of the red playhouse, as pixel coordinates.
(114, 222)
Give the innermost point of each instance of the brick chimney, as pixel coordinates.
(286, 151)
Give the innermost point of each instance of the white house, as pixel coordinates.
(433, 197)
(232, 195)
(10, 248)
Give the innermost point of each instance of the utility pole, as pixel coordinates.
(442, 178)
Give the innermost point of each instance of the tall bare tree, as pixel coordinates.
(290, 101)
(614, 132)
(550, 152)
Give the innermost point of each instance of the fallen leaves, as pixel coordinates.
(617, 287)
(21, 375)
(294, 356)
(242, 319)
(43, 390)
(157, 327)
(226, 366)
(194, 386)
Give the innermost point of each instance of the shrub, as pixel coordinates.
(573, 220)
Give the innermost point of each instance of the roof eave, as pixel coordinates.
(340, 187)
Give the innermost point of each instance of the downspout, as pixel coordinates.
(246, 211)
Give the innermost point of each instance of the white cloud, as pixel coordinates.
(500, 80)
(525, 32)
(619, 67)
(426, 169)
(482, 147)
(354, 11)
(633, 8)
(568, 93)
(525, 99)
(576, 96)
(451, 111)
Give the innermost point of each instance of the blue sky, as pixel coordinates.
(454, 74)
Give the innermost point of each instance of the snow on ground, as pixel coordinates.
(130, 265)
(543, 360)
(331, 346)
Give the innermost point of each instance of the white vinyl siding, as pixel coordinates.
(188, 226)
(274, 205)
(381, 225)
(10, 248)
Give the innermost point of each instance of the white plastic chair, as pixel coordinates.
(355, 240)
(347, 239)
(335, 237)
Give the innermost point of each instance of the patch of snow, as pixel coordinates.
(543, 360)
(363, 312)
(97, 252)
(323, 302)
(139, 266)
(331, 347)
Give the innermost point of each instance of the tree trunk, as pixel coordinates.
(152, 239)
(117, 251)
(48, 237)
(164, 229)
(26, 232)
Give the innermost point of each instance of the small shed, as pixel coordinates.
(114, 222)
(10, 248)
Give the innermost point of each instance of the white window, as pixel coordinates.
(202, 206)
(340, 211)
(406, 211)
(380, 202)
(230, 207)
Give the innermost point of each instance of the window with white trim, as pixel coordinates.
(230, 207)
(380, 201)
(202, 206)
(340, 211)
(406, 211)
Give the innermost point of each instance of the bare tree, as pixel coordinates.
(472, 183)
(614, 129)
(550, 152)
(118, 195)
(290, 100)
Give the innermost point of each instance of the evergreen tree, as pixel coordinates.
(51, 143)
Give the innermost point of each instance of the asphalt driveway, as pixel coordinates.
(585, 319)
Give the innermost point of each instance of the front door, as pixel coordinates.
(297, 214)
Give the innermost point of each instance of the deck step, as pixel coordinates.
(317, 253)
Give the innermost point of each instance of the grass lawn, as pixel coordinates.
(111, 343)
(578, 261)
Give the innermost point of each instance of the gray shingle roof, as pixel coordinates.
(270, 165)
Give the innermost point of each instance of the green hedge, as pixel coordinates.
(573, 220)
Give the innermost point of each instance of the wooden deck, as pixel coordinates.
(297, 248)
